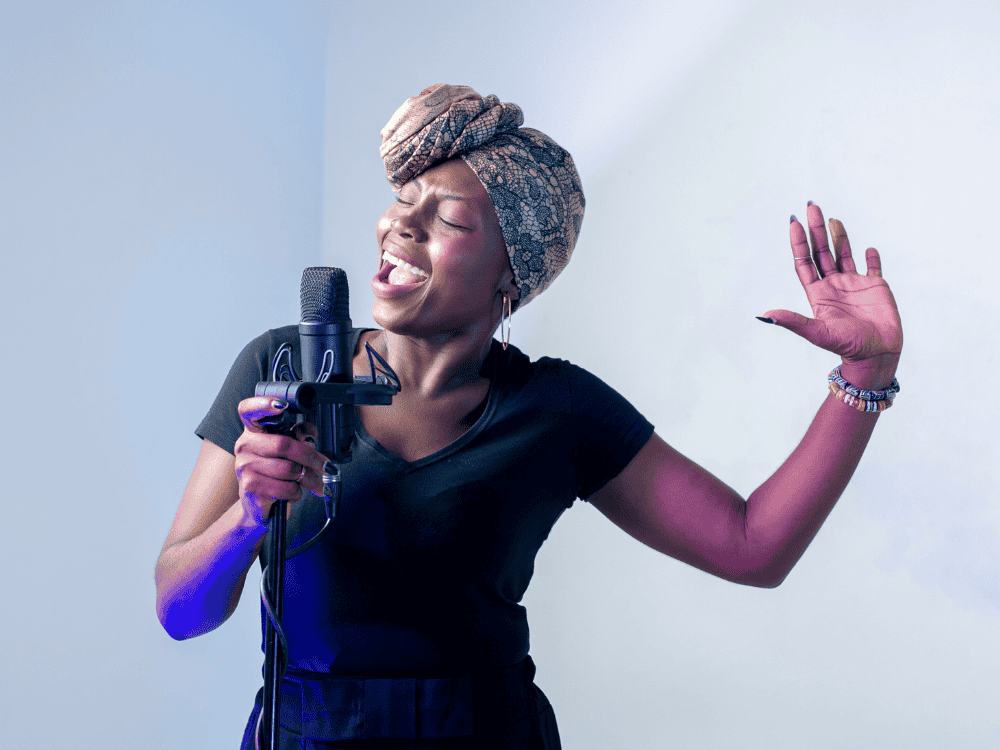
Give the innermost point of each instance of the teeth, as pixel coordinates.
(390, 258)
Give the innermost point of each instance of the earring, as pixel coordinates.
(505, 337)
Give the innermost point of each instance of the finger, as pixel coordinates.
(283, 447)
(307, 433)
(279, 469)
(252, 410)
(261, 487)
(822, 256)
(804, 267)
(812, 330)
(842, 247)
(874, 262)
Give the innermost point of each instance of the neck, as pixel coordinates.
(432, 368)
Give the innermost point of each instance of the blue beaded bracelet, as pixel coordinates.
(862, 399)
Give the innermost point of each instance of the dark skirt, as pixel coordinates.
(499, 711)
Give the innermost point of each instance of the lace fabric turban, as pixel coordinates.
(532, 181)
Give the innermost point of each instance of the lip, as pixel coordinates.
(385, 289)
(380, 281)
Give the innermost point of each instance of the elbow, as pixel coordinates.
(768, 582)
(765, 565)
(169, 623)
(176, 608)
(174, 634)
(178, 629)
(183, 618)
(748, 574)
(167, 626)
(178, 614)
(767, 574)
(166, 610)
(757, 580)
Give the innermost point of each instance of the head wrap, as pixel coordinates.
(532, 181)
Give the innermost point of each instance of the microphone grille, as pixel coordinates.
(324, 295)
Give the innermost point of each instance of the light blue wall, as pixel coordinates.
(161, 191)
(167, 170)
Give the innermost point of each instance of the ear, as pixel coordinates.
(509, 289)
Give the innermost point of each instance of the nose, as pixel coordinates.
(407, 223)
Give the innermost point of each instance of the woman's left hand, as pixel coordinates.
(855, 316)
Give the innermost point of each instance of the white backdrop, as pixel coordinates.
(168, 169)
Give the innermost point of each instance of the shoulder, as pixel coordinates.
(547, 379)
(516, 365)
(274, 338)
(564, 386)
(264, 346)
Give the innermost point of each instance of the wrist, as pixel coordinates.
(871, 374)
(248, 524)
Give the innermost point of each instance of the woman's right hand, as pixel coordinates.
(272, 467)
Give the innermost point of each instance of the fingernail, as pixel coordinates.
(329, 468)
(792, 220)
(810, 203)
(310, 439)
(278, 404)
(766, 320)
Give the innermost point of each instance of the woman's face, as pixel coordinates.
(444, 226)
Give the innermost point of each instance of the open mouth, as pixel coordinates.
(398, 272)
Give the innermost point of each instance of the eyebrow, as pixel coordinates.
(445, 196)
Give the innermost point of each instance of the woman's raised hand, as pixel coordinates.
(854, 316)
(273, 467)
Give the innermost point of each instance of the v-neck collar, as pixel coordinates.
(458, 443)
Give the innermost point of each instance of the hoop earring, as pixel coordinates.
(505, 337)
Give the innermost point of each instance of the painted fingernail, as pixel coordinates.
(329, 468)
(792, 220)
(278, 404)
(310, 439)
(766, 320)
(810, 203)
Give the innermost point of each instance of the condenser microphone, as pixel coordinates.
(326, 356)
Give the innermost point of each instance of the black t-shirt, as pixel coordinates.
(422, 570)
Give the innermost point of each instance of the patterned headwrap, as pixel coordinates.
(532, 181)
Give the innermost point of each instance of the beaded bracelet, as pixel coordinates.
(861, 399)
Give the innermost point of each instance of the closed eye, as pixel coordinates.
(444, 221)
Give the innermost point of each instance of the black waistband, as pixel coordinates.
(327, 707)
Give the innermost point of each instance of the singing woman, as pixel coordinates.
(404, 625)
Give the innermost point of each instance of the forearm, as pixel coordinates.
(199, 581)
(785, 512)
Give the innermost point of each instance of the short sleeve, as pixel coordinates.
(609, 431)
(222, 424)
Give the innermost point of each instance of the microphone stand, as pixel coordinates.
(272, 654)
(331, 406)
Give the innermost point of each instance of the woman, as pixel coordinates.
(403, 624)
